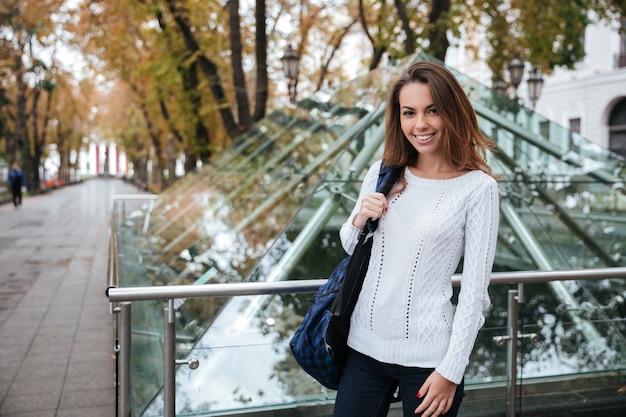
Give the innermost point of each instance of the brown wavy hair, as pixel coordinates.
(464, 146)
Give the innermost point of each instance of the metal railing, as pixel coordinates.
(113, 275)
(125, 296)
(120, 200)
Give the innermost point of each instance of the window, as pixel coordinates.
(574, 125)
(617, 128)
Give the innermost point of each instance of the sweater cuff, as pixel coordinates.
(451, 371)
(349, 235)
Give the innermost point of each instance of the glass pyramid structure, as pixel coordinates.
(269, 208)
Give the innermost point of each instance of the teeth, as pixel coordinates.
(423, 137)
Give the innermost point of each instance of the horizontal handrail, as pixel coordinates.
(300, 286)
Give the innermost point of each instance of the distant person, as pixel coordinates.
(16, 182)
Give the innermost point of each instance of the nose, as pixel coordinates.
(420, 122)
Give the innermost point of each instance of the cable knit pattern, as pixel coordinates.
(404, 314)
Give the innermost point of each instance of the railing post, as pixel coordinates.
(123, 364)
(511, 352)
(169, 361)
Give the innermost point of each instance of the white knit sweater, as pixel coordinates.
(404, 314)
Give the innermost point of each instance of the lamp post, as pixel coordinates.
(291, 62)
(500, 86)
(516, 72)
(500, 97)
(535, 83)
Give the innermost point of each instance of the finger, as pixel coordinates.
(421, 393)
(431, 410)
(433, 407)
(372, 209)
(441, 410)
(425, 407)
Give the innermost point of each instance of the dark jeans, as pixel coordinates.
(17, 195)
(367, 388)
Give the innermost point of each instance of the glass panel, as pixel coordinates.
(245, 362)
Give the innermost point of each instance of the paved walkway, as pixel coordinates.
(56, 333)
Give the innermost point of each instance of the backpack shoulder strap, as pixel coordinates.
(387, 178)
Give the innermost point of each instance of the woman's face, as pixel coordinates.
(419, 120)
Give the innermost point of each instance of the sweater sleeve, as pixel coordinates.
(348, 233)
(481, 233)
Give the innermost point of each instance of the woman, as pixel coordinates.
(404, 331)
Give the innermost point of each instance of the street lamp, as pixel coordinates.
(535, 83)
(500, 86)
(291, 62)
(516, 72)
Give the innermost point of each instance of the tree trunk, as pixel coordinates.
(409, 45)
(437, 29)
(208, 68)
(378, 50)
(168, 119)
(239, 78)
(19, 143)
(190, 162)
(335, 45)
(201, 148)
(262, 85)
(41, 140)
(36, 149)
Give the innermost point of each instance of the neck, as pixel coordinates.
(435, 168)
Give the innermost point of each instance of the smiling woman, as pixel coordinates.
(405, 334)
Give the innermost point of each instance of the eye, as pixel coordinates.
(432, 110)
(407, 113)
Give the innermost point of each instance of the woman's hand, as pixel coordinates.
(372, 207)
(438, 394)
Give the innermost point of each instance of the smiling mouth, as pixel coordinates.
(423, 138)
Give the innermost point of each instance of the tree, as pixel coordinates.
(549, 33)
(202, 72)
(28, 33)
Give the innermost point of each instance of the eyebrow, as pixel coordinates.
(430, 106)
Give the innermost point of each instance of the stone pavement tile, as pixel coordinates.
(102, 411)
(93, 338)
(29, 403)
(57, 331)
(93, 379)
(8, 371)
(95, 358)
(47, 344)
(65, 317)
(50, 383)
(87, 398)
(13, 334)
(44, 413)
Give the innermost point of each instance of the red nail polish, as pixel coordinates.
(419, 395)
